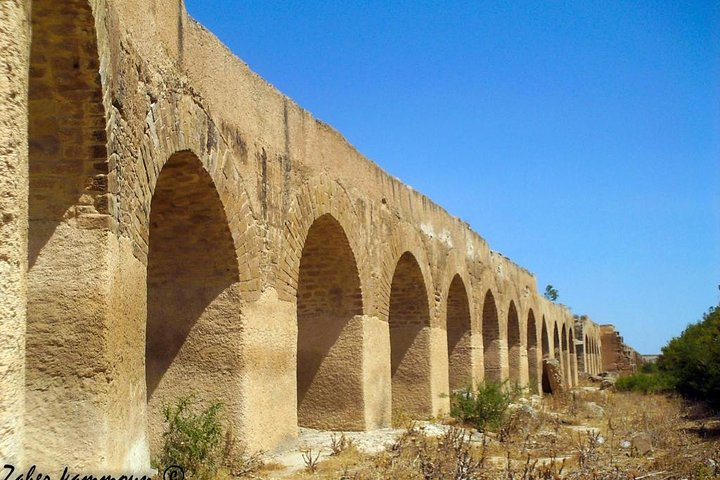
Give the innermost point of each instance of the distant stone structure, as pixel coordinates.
(173, 225)
(617, 356)
(588, 344)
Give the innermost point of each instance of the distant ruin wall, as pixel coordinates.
(617, 356)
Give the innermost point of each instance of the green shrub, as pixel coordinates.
(485, 407)
(193, 439)
(644, 383)
(692, 360)
(649, 367)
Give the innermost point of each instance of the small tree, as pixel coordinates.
(551, 293)
(193, 438)
(485, 407)
(692, 360)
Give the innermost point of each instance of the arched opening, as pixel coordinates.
(491, 340)
(533, 354)
(565, 354)
(192, 294)
(596, 356)
(329, 315)
(598, 359)
(546, 354)
(557, 350)
(458, 335)
(68, 273)
(573, 355)
(66, 125)
(409, 322)
(585, 353)
(515, 354)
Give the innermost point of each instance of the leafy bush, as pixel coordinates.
(649, 367)
(485, 407)
(644, 383)
(195, 440)
(192, 440)
(692, 360)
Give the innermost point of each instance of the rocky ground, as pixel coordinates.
(585, 434)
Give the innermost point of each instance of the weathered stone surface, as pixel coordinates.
(641, 444)
(618, 357)
(608, 382)
(553, 373)
(14, 53)
(588, 345)
(593, 410)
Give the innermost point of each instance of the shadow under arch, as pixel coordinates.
(515, 356)
(409, 325)
(557, 350)
(532, 353)
(68, 221)
(567, 372)
(573, 355)
(458, 335)
(491, 340)
(67, 141)
(330, 331)
(192, 291)
(546, 354)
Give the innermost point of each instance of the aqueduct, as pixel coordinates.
(172, 224)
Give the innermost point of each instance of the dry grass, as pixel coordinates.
(549, 442)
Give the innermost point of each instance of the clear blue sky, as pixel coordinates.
(581, 139)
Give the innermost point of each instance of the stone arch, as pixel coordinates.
(403, 238)
(317, 197)
(409, 326)
(454, 265)
(545, 339)
(546, 354)
(533, 353)
(557, 348)
(492, 339)
(193, 298)
(514, 342)
(330, 333)
(69, 216)
(596, 357)
(187, 127)
(573, 354)
(565, 353)
(459, 335)
(179, 126)
(594, 352)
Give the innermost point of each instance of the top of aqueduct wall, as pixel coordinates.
(163, 35)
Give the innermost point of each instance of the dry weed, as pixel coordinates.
(548, 443)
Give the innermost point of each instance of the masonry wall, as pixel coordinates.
(588, 342)
(14, 53)
(616, 355)
(185, 218)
